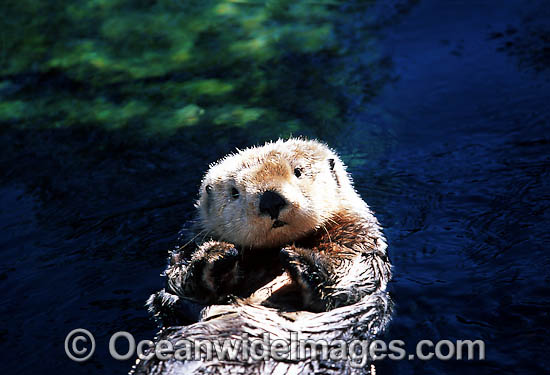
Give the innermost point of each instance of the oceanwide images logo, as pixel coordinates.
(80, 346)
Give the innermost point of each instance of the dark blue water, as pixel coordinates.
(453, 154)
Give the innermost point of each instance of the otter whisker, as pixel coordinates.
(206, 234)
(328, 234)
(193, 238)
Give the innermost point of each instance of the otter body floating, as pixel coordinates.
(283, 249)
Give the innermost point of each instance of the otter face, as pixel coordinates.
(271, 195)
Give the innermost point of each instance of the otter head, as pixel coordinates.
(272, 195)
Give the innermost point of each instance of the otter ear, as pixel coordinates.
(208, 197)
(332, 164)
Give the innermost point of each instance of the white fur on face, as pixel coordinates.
(230, 210)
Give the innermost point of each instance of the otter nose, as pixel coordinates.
(271, 203)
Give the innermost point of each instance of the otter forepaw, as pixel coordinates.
(309, 271)
(170, 310)
(213, 272)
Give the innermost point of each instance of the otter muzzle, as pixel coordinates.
(271, 203)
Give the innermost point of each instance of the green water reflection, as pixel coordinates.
(157, 67)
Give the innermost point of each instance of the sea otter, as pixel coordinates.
(285, 211)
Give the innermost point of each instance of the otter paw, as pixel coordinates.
(309, 271)
(213, 272)
(170, 310)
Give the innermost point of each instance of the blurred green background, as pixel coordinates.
(276, 67)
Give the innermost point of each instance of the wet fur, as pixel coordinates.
(332, 248)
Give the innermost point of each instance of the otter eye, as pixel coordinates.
(234, 193)
(297, 172)
(208, 189)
